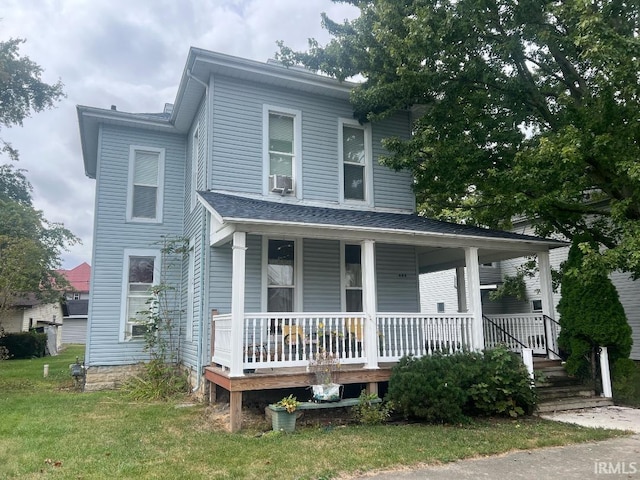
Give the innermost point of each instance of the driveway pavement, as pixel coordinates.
(616, 458)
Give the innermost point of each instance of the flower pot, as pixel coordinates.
(283, 420)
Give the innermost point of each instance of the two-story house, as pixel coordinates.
(75, 308)
(300, 240)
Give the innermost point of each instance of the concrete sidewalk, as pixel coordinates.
(616, 458)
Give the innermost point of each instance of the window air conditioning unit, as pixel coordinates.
(281, 183)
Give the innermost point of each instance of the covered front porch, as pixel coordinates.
(255, 345)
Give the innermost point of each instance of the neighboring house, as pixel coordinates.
(299, 239)
(628, 290)
(76, 306)
(27, 312)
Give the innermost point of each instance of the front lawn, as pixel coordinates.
(48, 430)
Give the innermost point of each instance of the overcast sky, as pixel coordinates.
(129, 53)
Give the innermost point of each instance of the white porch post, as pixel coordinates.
(461, 290)
(237, 302)
(475, 301)
(369, 301)
(548, 309)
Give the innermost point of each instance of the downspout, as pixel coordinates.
(203, 249)
(204, 258)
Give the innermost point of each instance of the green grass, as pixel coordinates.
(48, 430)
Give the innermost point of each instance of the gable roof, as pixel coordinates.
(236, 209)
(78, 277)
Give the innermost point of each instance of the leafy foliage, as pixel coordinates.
(30, 246)
(370, 412)
(591, 314)
(522, 108)
(452, 388)
(626, 382)
(163, 376)
(24, 344)
(21, 89)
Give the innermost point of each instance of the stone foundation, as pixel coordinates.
(109, 377)
(112, 377)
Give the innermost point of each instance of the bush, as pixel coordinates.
(504, 387)
(434, 388)
(159, 381)
(451, 389)
(24, 344)
(368, 412)
(626, 382)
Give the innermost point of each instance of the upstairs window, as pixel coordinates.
(281, 142)
(146, 174)
(355, 159)
(282, 147)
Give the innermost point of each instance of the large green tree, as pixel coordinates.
(30, 246)
(528, 107)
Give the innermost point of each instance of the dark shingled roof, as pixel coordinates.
(232, 207)
(73, 308)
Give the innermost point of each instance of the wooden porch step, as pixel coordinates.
(542, 363)
(573, 403)
(565, 391)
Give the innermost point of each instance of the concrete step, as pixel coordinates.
(574, 403)
(567, 391)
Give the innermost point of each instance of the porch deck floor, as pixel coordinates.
(269, 379)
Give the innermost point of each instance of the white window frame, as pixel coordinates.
(441, 310)
(125, 325)
(160, 184)
(195, 164)
(533, 309)
(296, 164)
(191, 278)
(297, 272)
(343, 275)
(368, 161)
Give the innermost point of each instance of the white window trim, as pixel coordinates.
(296, 167)
(343, 274)
(160, 193)
(368, 161)
(533, 310)
(195, 161)
(297, 273)
(128, 253)
(191, 290)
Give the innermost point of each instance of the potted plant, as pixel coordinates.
(283, 414)
(325, 366)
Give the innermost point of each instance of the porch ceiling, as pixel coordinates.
(440, 244)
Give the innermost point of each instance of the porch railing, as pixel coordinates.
(294, 339)
(516, 331)
(401, 334)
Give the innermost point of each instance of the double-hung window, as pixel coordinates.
(282, 146)
(355, 162)
(281, 281)
(353, 278)
(140, 273)
(146, 184)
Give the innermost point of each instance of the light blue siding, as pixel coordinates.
(237, 147)
(321, 275)
(397, 278)
(113, 234)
